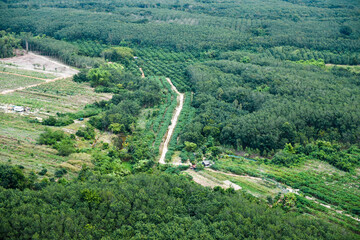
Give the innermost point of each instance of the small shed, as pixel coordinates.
(19, 109)
(207, 163)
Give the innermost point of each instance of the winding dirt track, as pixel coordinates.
(180, 99)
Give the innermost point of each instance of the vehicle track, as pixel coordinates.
(174, 119)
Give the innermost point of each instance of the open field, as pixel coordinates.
(8, 82)
(38, 63)
(322, 190)
(29, 73)
(18, 135)
(63, 95)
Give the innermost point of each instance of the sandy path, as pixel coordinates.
(233, 174)
(142, 73)
(180, 99)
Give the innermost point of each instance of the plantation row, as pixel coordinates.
(336, 190)
(331, 189)
(27, 73)
(297, 54)
(161, 122)
(90, 48)
(171, 64)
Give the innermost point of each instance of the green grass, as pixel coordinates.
(11, 82)
(255, 186)
(316, 179)
(18, 136)
(18, 145)
(29, 73)
(62, 96)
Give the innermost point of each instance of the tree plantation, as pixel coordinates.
(156, 206)
(179, 119)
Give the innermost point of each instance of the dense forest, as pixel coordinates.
(276, 80)
(156, 206)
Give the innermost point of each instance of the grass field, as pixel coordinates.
(29, 73)
(18, 136)
(63, 95)
(324, 191)
(11, 81)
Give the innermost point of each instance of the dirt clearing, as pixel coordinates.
(38, 63)
(35, 63)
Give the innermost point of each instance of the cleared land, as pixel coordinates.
(8, 82)
(18, 134)
(63, 95)
(38, 63)
(29, 73)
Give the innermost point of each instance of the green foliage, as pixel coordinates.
(65, 147)
(268, 103)
(274, 93)
(81, 76)
(8, 43)
(12, 177)
(117, 128)
(190, 147)
(64, 119)
(87, 133)
(318, 63)
(50, 137)
(343, 159)
(287, 202)
(61, 172)
(97, 208)
(43, 172)
(58, 140)
(346, 30)
(119, 54)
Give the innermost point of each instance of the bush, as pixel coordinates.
(43, 172)
(81, 76)
(50, 137)
(61, 172)
(65, 147)
(87, 133)
(11, 177)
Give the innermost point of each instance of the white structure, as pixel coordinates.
(19, 109)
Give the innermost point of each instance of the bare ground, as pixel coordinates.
(38, 63)
(208, 181)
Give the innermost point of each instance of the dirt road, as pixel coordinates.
(142, 73)
(180, 99)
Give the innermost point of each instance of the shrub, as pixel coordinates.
(43, 172)
(61, 172)
(65, 147)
